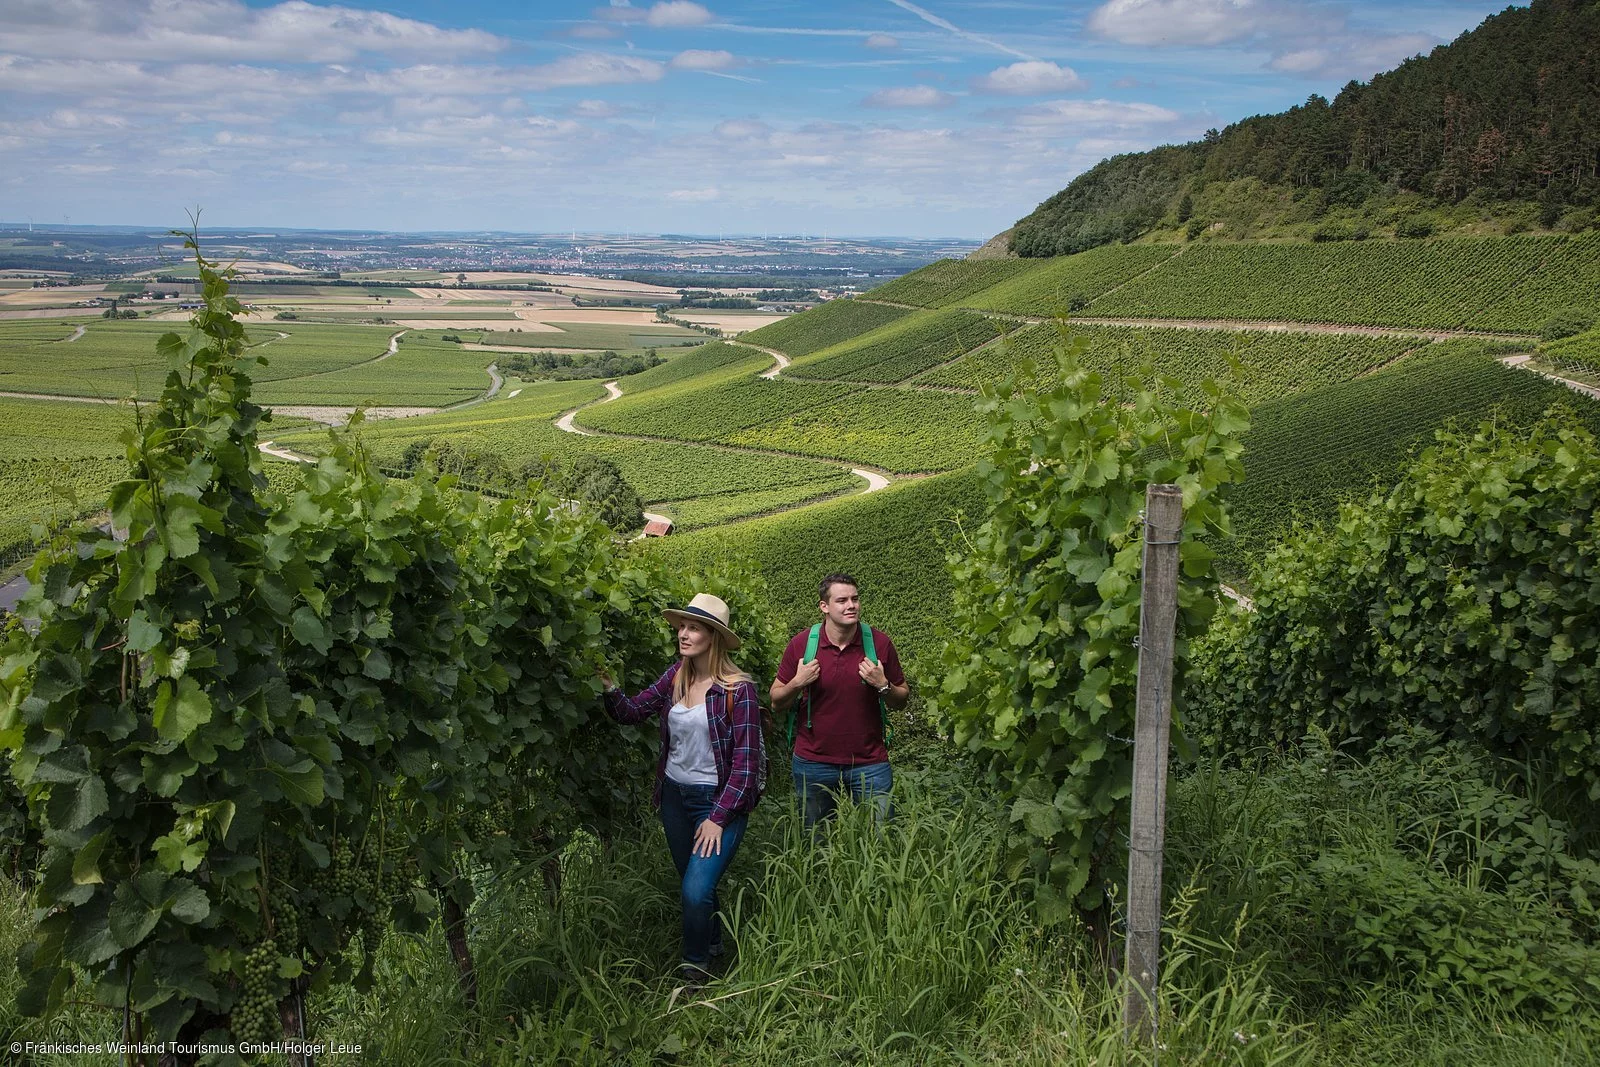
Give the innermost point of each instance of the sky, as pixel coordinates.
(914, 118)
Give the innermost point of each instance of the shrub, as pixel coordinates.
(1415, 226)
(1567, 323)
(1462, 600)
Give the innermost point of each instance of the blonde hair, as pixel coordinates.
(723, 669)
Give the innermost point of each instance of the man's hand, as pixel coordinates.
(806, 673)
(708, 840)
(872, 674)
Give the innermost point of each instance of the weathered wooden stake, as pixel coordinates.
(1158, 613)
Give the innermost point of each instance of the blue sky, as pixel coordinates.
(947, 118)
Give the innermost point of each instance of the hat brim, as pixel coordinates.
(704, 618)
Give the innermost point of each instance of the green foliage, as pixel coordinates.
(1375, 146)
(824, 325)
(696, 362)
(895, 352)
(1422, 869)
(1039, 671)
(1478, 283)
(265, 722)
(1565, 323)
(1463, 600)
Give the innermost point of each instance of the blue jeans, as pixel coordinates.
(820, 785)
(683, 809)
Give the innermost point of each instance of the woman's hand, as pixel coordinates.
(707, 840)
(606, 680)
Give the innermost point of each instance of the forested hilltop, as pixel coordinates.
(1494, 132)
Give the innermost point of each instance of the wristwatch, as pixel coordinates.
(884, 688)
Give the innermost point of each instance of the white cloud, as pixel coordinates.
(1352, 56)
(594, 31)
(909, 96)
(594, 109)
(1094, 114)
(1187, 22)
(222, 30)
(699, 59)
(677, 13)
(591, 68)
(694, 196)
(882, 41)
(1030, 77)
(742, 130)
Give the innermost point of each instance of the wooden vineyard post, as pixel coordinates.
(1158, 613)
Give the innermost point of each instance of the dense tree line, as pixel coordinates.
(564, 366)
(1504, 114)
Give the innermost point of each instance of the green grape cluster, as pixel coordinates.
(255, 1013)
(285, 915)
(380, 885)
(343, 870)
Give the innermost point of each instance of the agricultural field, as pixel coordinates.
(1058, 286)
(597, 335)
(825, 325)
(421, 373)
(899, 350)
(1491, 283)
(949, 281)
(1271, 364)
(115, 358)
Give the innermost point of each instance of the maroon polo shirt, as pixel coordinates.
(846, 727)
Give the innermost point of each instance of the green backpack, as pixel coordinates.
(868, 646)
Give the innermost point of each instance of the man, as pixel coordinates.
(838, 700)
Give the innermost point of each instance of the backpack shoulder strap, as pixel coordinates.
(870, 647)
(813, 639)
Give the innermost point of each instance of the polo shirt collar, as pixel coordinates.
(855, 640)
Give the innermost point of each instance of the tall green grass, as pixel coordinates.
(911, 944)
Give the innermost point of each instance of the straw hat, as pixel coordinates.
(708, 610)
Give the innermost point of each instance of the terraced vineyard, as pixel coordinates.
(697, 485)
(50, 452)
(828, 324)
(1305, 453)
(1490, 283)
(1580, 352)
(898, 430)
(950, 281)
(731, 360)
(901, 349)
(714, 412)
(1272, 364)
(1056, 285)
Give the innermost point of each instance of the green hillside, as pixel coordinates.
(1496, 127)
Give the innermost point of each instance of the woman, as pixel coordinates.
(706, 776)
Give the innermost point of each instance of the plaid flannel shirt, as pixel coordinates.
(735, 738)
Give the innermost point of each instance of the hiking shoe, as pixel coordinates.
(694, 976)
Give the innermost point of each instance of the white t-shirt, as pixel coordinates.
(690, 760)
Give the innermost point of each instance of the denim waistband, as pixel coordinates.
(689, 790)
